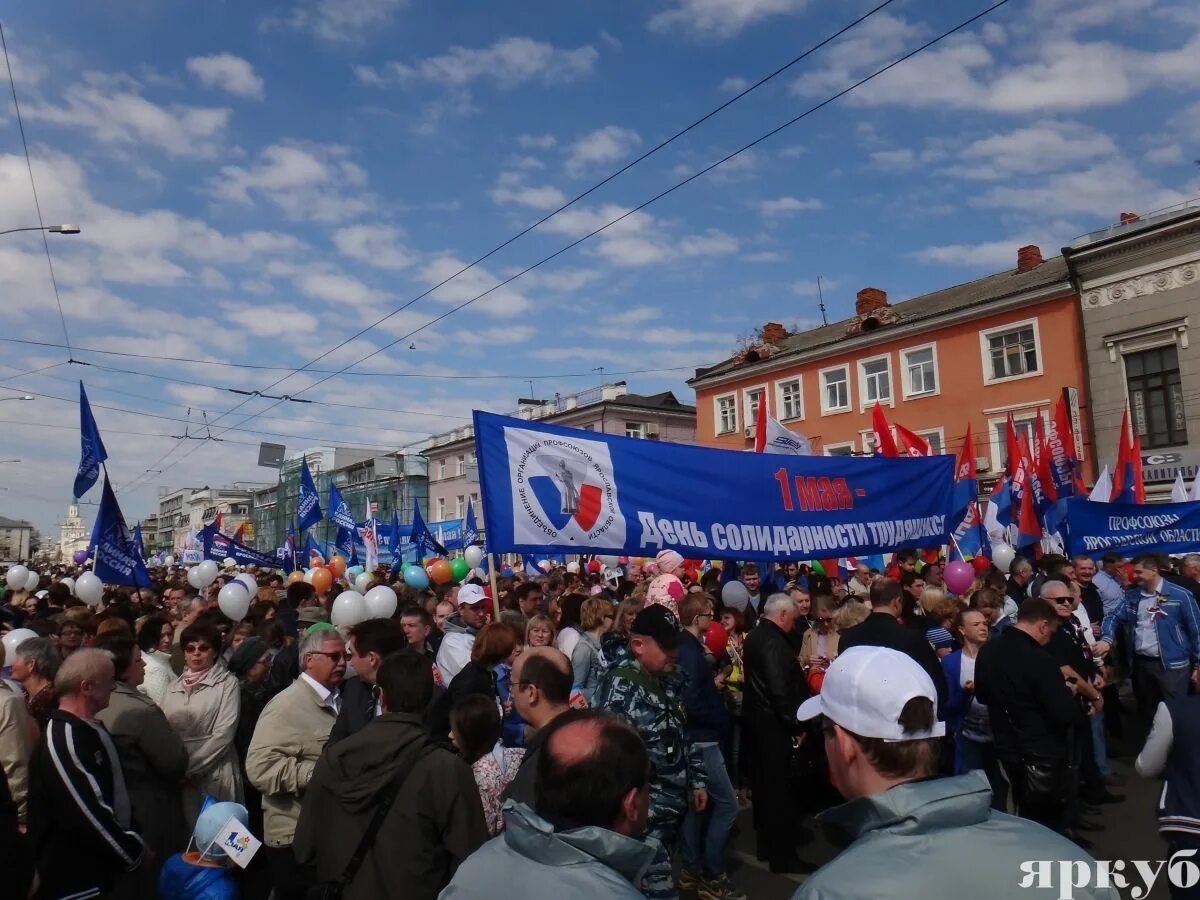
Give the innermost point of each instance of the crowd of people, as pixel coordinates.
(557, 731)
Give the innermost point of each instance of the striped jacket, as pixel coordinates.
(81, 831)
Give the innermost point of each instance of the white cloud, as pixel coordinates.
(381, 246)
(337, 21)
(764, 256)
(309, 181)
(508, 62)
(994, 255)
(811, 289)
(903, 159)
(638, 239)
(1044, 146)
(721, 18)
(336, 288)
(1167, 154)
(602, 146)
(536, 141)
(502, 303)
(734, 85)
(739, 168)
(115, 112)
(511, 189)
(272, 321)
(227, 72)
(784, 206)
(499, 336)
(1102, 190)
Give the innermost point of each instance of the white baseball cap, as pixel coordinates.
(471, 594)
(865, 690)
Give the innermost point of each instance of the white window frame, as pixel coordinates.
(460, 506)
(441, 468)
(461, 464)
(937, 375)
(985, 352)
(927, 433)
(827, 410)
(863, 402)
(996, 434)
(780, 408)
(866, 438)
(750, 416)
(635, 430)
(717, 429)
(839, 445)
(441, 509)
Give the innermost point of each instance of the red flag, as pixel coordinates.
(240, 533)
(885, 445)
(1042, 463)
(1122, 476)
(1139, 485)
(1013, 447)
(760, 425)
(913, 444)
(966, 458)
(1029, 530)
(217, 524)
(1062, 424)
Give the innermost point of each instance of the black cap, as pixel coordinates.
(658, 622)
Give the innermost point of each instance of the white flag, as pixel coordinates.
(237, 842)
(1195, 495)
(1102, 490)
(1179, 493)
(770, 436)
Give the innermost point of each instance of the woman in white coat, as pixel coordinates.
(203, 706)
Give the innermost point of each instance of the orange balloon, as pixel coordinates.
(440, 572)
(337, 566)
(298, 575)
(322, 580)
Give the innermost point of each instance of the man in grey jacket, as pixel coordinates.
(883, 741)
(583, 840)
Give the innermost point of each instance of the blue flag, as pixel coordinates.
(308, 507)
(116, 560)
(394, 543)
(422, 537)
(311, 546)
(138, 547)
(339, 510)
(470, 529)
(91, 449)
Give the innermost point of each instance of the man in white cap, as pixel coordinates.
(460, 630)
(883, 740)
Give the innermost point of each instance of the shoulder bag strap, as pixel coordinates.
(380, 814)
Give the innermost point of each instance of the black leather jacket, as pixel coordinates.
(774, 681)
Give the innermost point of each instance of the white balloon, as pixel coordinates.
(474, 556)
(362, 581)
(229, 562)
(89, 588)
(69, 582)
(14, 639)
(208, 572)
(349, 608)
(234, 601)
(16, 577)
(609, 561)
(308, 576)
(196, 578)
(31, 581)
(381, 602)
(170, 560)
(545, 565)
(573, 567)
(248, 582)
(478, 573)
(735, 595)
(1002, 556)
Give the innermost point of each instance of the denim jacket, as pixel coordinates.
(1178, 628)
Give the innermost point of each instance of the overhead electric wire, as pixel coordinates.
(33, 184)
(829, 100)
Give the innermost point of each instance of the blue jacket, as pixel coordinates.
(707, 714)
(1178, 630)
(182, 880)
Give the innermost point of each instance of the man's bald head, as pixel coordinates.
(541, 685)
(554, 656)
(594, 770)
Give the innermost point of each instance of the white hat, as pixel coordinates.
(865, 690)
(471, 594)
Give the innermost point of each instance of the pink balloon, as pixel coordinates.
(959, 577)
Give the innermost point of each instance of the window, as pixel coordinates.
(475, 500)
(753, 397)
(727, 419)
(867, 436)
(441, 468)
(460, 506)
(839, 449)
(462, 465)
(875, 377)
(1011, 352)
(1024, 426)
(835, 390)
(920, 371)
(590, 426)
(790, 401)
(441, 509)
(635, 430)
(1156, 397)
(933, 439)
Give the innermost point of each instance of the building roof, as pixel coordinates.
(662, 402)
(927, 306)
(14, 523)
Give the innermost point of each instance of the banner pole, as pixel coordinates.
(491, 560)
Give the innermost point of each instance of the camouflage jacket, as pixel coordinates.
(652, 706)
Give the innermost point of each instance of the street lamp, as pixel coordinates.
(9, 460)
(25, 397)
(53, 229)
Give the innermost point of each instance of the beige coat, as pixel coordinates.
(206, 720)
(288, 740)
(808, 644)
(18, 734)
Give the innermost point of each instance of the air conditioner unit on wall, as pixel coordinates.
(749, 432)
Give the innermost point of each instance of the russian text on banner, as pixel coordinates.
(1132, 528)
(549, 489)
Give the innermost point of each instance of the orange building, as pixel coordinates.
(970, 354)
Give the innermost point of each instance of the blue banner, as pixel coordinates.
(308, 506)
(1132, 528)
(91, 449)
(470, 529)
(339, 511)
(116, 561)
(218, 547)
(549, 489)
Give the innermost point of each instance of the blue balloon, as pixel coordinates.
(353, 571)
(506, 571)
(415, 577)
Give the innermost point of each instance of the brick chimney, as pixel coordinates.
(773, 333)
(869, 300)
(1028, 257)
(1128, 218)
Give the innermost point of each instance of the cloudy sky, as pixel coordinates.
(259, 182)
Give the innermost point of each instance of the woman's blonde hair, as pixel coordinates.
(540, 619)
(593, 611)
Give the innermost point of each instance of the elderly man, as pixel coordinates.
(1020, 574)
(773, 689)
(859, 584)
(645, 692)
(288, 740)
(80, 815)
(460, 630)
(18, 734)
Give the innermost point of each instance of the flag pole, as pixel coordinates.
(491, 561)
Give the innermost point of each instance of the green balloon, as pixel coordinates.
(459, 569)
